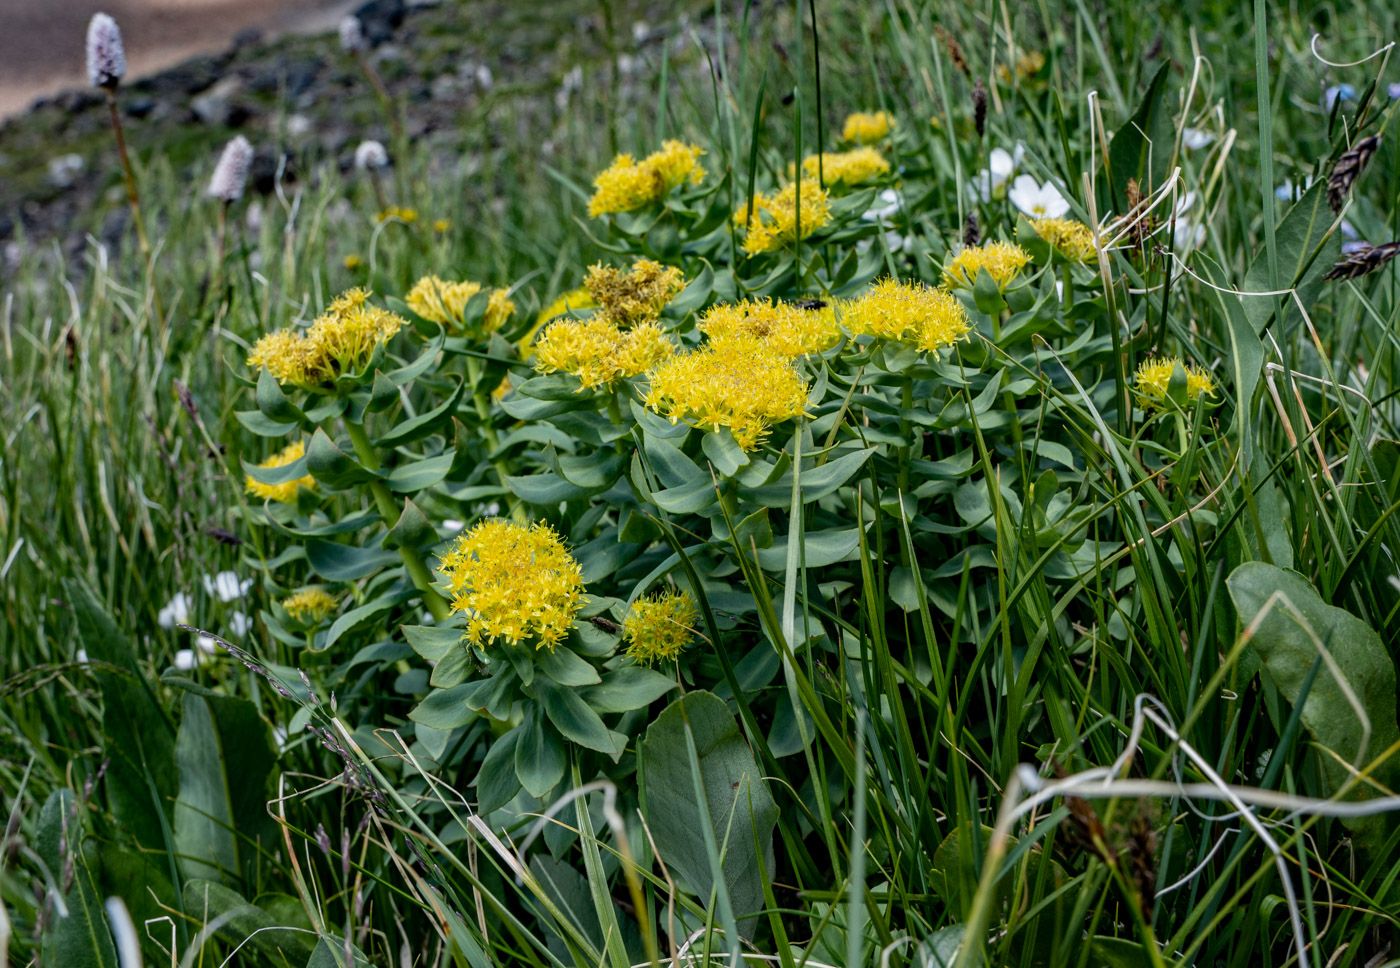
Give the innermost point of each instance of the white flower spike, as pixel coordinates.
(371, 155)
(231, 173)
(106, 58)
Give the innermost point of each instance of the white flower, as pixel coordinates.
(1188, 234)
(1002, 165)
(893, 240)
(452, 527)
(82, 657)
(231, 173)
(206, 644)
(1193, 139)
(176, 612)
(185, 660)
(352, 35)
(225, 586)
(106, 58)
(1039, 201)
(371, 155)
(239, 624)
(484, 78)
(889, 204)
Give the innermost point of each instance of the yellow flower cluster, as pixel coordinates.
(783, 217)
(514, 583)
(309, 606)
(737, 382)
(853, 167)
(635, 296)
(659, 626)
(409, 215)
(909, 312)
(864, 129)
(1074, 239)
(1002, 260)
(579, 298)
(342, 340)
(286, 492)
(443, 302)
(1154, 378)
(792, 329)
(629, 184)
(598, 351)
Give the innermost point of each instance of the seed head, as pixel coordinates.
(1348, 169)
(371, 155)
(971, 233)
(106, 58)
(352, 35)
(231, 173)
(1364, 261)
(979, 108)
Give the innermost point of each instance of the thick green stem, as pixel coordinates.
(483, 411)
(390, 511)
(905, 450)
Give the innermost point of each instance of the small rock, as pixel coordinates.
(214, 105)
(140, 107)
(380, 18)
(65, 169)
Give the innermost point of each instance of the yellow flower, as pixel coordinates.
(1028, 64)
(1074, 239)
(792, 329)
(310, 606)
(441, 225)
(1154, 378)
(659, 626)
(864, 129)
(579, 298)
(351, 261)
(286, 492)
(628, 184)
(845, 167)
(909, 312)
(598, 351)
(736, 382)
(342, 340)
(443, 302)
(514, 583)
(409, 215)
(1002, 260)
(636, 296)
(782, 218)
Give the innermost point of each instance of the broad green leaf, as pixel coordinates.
(1140, 149)
(628, 688)
(139, 739)
(444, 708)
(566, 668)
(430, 642)
(420, 474)
(225, 761)
(340, 562)
(817, 482)
(539, 755)
(574, 719)
(820, 548)
(82, 939)
(332, 466)
(330, 953)
(496, 784)
(1298, 625)
(273, 941)
(741, 812)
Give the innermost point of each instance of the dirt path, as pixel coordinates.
(41, 42)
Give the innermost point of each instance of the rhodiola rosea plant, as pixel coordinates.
(919, 545)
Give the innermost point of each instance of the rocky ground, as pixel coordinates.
(303, 101)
